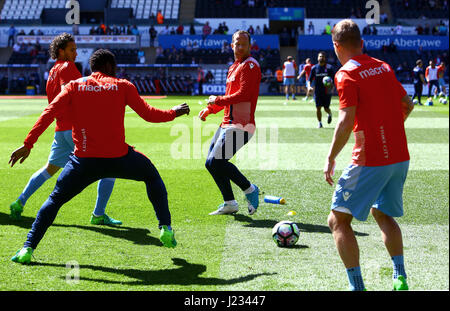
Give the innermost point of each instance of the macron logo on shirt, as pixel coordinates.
(97, 88)
(374, 71)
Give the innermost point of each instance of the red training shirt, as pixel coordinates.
(97, 107)
(62, 73)
(371, 86)
(241, 95)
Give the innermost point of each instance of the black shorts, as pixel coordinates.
(323, 101)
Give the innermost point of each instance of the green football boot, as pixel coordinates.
(105, 220)
(167, 237)
(400, 283)
(16, 209)
(23, 255)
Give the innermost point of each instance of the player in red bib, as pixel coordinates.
(237, 127)
(100, 147)
(64, 50)
(306, 72)
(374, 105)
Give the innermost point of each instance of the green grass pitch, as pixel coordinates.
(222, 253)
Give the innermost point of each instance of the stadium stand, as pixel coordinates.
(145, 9)
(241, 9)
(426, 8)
(28, 10)
(165, 77)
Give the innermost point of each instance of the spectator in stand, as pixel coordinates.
(250, 30)
(141, 57)
(200, 79)
(209, 78)
(311, 28)
(16, 47)
(159, 18)
(426, 29)
(266, 30)
(442, 29)
(374, 30)
(153, 34)
(192, 29)
(225, 28)
(11, 35)
(180, 29)
(251, 3)
(21, 33)
(165, 30)
(419, 30)
(75, 30)
(173, 31)
(206, 31)
(135, 31)
(327, 30)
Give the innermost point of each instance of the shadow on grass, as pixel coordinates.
(270, 223)
(136, 235)
(186, 274)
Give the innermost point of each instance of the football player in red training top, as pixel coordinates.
(237, 127)
(375, 106)
(64, 50)
(100, 147)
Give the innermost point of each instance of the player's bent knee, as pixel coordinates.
(337, 219)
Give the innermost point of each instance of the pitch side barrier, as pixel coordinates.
(13, 70)
(402, 42)
(213, 41)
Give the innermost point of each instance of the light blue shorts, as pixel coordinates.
(62, 147)
(289, 81)
(361, 188)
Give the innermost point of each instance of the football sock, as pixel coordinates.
(231, 202)
(399, 266)
(250, 189)
(104, 190)
(287, 96)
(36, 180)
(355, 279)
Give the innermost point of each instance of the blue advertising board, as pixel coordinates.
(286, 14)
(213, 41)
(323, 42)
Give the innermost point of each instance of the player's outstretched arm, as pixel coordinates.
(19, 154)
(181, 109)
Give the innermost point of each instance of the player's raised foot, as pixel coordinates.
(226, 209)
(167, 237)
(23, 255)
(253, 200)
(105, 220)
(329, 118)
(400, 283)
(16, 209)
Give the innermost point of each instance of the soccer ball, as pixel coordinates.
(285, 233)
(443, 101)
(327, 82)
(429, 102)
(415, 101)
